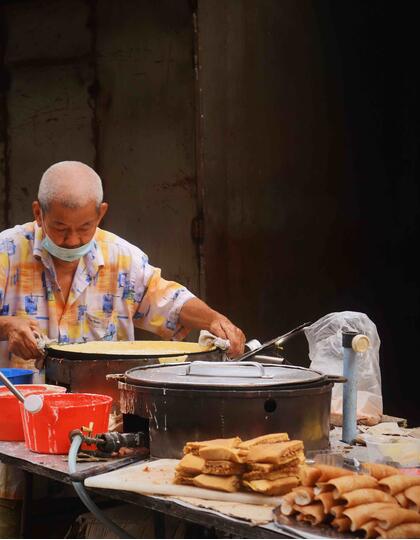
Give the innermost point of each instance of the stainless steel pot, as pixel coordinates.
(199, 401)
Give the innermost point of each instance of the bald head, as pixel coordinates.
(71, 184)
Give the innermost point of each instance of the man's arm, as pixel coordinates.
(196, 314)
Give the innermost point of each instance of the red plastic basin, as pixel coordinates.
(47, 431)
(11, 428)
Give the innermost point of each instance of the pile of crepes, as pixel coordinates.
(380, 502)
(269, 464)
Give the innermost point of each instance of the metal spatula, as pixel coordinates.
(278, 340)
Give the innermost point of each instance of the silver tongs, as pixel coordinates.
(276, 341)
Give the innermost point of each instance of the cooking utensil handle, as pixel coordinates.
(217, 368)
(11, 387)
(336, 379)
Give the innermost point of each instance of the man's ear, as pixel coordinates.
(36, 209)
(103, 209)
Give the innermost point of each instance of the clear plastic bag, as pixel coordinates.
(326, 355)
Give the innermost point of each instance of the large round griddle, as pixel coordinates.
(221, 375)
(96, 350)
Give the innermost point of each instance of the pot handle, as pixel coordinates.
(224, 369)
(336, 379)
(115, 377)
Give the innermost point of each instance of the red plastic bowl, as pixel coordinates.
(47, 431)
(11, 428)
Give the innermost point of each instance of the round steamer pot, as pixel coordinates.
(192, 402)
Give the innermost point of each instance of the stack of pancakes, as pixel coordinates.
(273, 463)
(268, 464)
(215, 464)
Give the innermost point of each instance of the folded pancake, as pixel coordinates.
(309, 475)
(264, 439)
(183, 480)
(412, 494)
(402, 499)
(190, 465)
(370, 529)
(328, 472)
(359, 515)
(389, 518)
(405, 530)
(327, 501)
(194, 447)
(342, 524)
(272, 487)
(287, 502)
(222, 468)
(220, 453)
(314, 512)
(277, 454)
(337, 511)
(379, 471)
(273, 475)
(303, 495)
(219, 483)
(399, 482)
(350, 483)
(366, 496)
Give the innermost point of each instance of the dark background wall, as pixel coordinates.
(284, 134)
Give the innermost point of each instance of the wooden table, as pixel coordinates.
(55, 468)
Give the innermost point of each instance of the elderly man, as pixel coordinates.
(66, 278)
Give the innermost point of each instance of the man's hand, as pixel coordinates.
(19, 332)
(223, 328)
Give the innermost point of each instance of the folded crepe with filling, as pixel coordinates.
(220, 453)
(327, 501)
(272, 487)
(399, 482)
(229, 484)
(183, 480)
(379, 471)
(314, 512)
(194, 447)
(342, 524)
(222, 468)
(391, 517)
(303, 495)
(264, 439)
(405, 530)
(291, 462)
(348, 483)
(273, 475)
(366, 496)
(412, 494)
(359, 515)
(190, 465)
(278, 453)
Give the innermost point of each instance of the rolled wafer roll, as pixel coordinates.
(366, 496)
(405, 530)
(337, 511)
(328, 472)
(315, 511)
(350, 483)
(309, 475)
(327, 500)
(399, 482)
(402, 500)
(412, 494)
(370, 528)
(303, 495)
(287, 503)
(389, 518)
(379, 471)
(342, 524)
(359, 515)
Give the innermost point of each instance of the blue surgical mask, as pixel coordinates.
(66, 254)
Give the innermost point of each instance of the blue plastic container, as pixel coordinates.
(17, 375)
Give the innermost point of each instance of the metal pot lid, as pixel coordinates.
(126, 349)
(221, 375)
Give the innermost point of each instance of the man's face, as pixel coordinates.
(69, 227)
